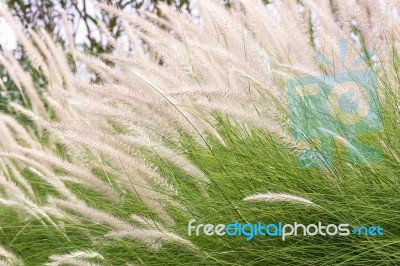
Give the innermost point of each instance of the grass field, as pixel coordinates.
(110, 172)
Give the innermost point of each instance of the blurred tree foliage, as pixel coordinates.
(47, 14)
(84, 18)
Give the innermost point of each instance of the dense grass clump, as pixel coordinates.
(194, 122)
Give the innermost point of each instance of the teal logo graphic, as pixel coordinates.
(340, 105)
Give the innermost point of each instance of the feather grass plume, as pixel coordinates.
(279, 197)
